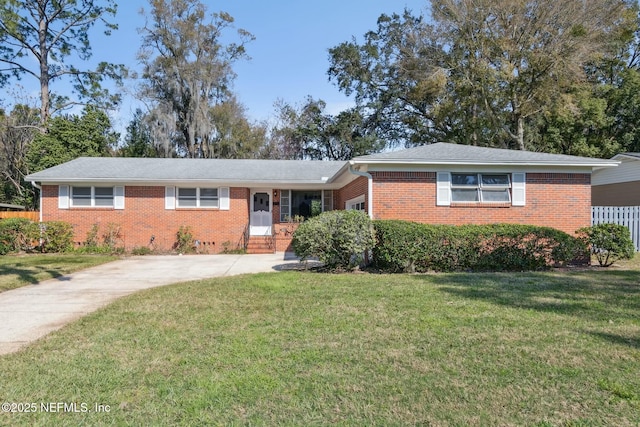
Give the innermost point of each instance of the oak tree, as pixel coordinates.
(187, 70)
(479, 71)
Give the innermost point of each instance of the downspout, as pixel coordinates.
(369, 187)
(33, 183)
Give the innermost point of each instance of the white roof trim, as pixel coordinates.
(604, 163)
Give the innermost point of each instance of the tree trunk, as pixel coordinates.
(44, 71)
(520, 133)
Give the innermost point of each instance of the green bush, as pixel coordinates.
(141, 250)
(609, 242)
(109, 242)
(339, 239)
(18, 234)
(92, 240)
(57, 236)
(184, 240)
(112, 236)
(411, 247)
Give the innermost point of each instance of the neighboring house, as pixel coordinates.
(618, 186)
(254, 204)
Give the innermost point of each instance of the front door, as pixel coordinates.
(260, 215)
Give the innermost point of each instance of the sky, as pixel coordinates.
(289, 57)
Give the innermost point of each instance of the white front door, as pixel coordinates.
(260, 212)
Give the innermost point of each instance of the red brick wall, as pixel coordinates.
(557, 200)
(561, 201)
(145, 216)
(355, 188)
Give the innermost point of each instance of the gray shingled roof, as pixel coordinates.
(636, 155)
(445, 153)
(290, 171)
(152, 170)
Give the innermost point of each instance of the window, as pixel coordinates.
(356, 204)
(304, 203)
(103, 196)
(92, 196)
(209, 197)
(197, 197)
(81, 196)
(477, 187)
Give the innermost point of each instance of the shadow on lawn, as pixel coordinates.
(616, 339)
(28, 274)
(592, 295)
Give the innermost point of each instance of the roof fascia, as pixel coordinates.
(244, 184)
(389, 162)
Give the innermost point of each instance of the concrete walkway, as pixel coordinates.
(33, 311)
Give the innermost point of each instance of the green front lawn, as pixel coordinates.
(309, 349)
(21, 270)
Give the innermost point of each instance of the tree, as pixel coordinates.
(526, 53)
(310, 133)
(578, 124)
(284, 142)
(398, 74)
(597, 116)
(138, 141)
(233, 136)
(188, 70)
(17, 131)
(480, 72)
(69, 137)
(49, 32)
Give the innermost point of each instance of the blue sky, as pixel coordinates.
(290, 53)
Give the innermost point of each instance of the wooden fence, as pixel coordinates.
(33, 216)
(623, 215)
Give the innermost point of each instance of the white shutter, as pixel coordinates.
(518, 190)
(63, 197)
(169, 197)
(118, 197)
(443, 197)
(225, 203)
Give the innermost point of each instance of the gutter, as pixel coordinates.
(369, 187)
(604, 163)
(33, 183)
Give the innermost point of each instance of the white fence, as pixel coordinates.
(623, 215)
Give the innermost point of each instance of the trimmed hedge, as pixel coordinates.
(412, 247)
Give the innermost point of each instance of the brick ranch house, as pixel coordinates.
(254, 204)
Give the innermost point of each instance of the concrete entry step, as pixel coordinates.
(261, 245)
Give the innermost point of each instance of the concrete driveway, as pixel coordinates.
(33, 311)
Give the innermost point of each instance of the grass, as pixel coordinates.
(294, 348)
(21, 270)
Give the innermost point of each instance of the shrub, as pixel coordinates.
(407, 247)
(141, 250)
(339, 239)
(112, 236)
(106, 243)
(18, 234)
(184, 240)
(511, 247)
(609, 242)
(57, 236)
(92, 237)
